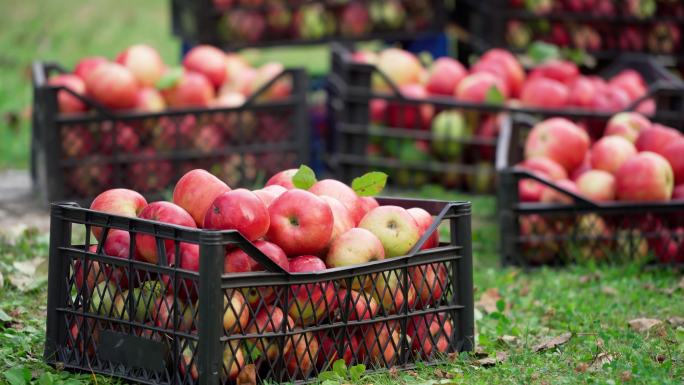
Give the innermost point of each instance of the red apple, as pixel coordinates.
(645, 177)
(550, 195)
(366, 204)
(266, 196)
(119, 201)
(276, 189)
(185, 256)
(191, 89)
(560, 70)
(165, 212)
(311, 303)
(444, 76)
(382, 344)
(301, 223)
(121, 137)
(340, 191)
(530, 190)
(237, 261)
(280, 89)
(597, 185)
(328, 352)
(584, 167)
(149, 100)
(300, 361)
(67, 102)
(144, 63)
(430, 334)
(208, 61)
(514, 72)
(631, 82)
(544, 93)
(475, 87)
(411, 115)
(230, 99)
(656, 138)
(238, 210)
(283, 178)
(387, 289)
(235, 312)
(164, 314)
(113, 85)
(77, 142)
(674, 153)
(628, 125)
(609, 153)
(560, 140)
(354, 305)
(581, 93)
(424, 220)
(342, 219)
(86, 65)
(271, 319)
(678, 192)
(196, 191)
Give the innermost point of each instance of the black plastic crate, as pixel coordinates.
(536, 233)
(75, 157)
(398, 143)
(602, 34)
(258, 24)
(175, 338)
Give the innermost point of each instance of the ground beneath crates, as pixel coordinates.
(19, 207)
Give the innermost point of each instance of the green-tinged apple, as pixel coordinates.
(394, 227)
(144, 63)
(271, 319)
(597, 185)
(610, 152)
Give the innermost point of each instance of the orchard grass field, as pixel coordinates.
(517, 310)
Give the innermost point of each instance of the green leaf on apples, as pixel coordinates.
(540, 52)
(304, 178)
(169, 79)
(577, 55)
(369, 184)
(494, 96)
(356, 371)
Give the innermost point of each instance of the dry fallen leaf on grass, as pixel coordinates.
(600, 360)
(589, 278)
(676, 321)
(609, 290)
(491, 361)
(508, 339)
(553, 342)
(29, 274)
(488, 300)
(644, 324)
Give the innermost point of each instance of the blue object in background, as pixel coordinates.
(437, 45)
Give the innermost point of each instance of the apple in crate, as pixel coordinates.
(444, 76)
(355, 246)
(236, 313)
(597, 185)
(656, 138)
(394, 227)
(551, 195)
(430, 334)
(646, 177)
(366, 204)
(382, 344)
(448, 129)
(674, 153)
(271, 319)
(67, 102)
(283, 178)
(196, 191)
(118, 201)
(628, 125)
(164, 313)
(342, 219)
(300, 361)
(237, 261)
(238, 210)
(354, 305)
(544, 93)
(476, 87)
(208, 61)
(144, 62)
(402, 67)
(388, 289)
(149, 100)
(301, 223)
(310, 303)
(340, 191)
(424, 221)
(187, 89)
(165, 212)
(113, 85)
(328, 352)
(560, 140)
(610, 152)
(233, 362)
(280, 89)
(86, 65)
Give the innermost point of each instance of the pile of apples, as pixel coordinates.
(139, 80)
(659, 36)
(636, 160)
(323, 224)
(253, 21)
(499, 77)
